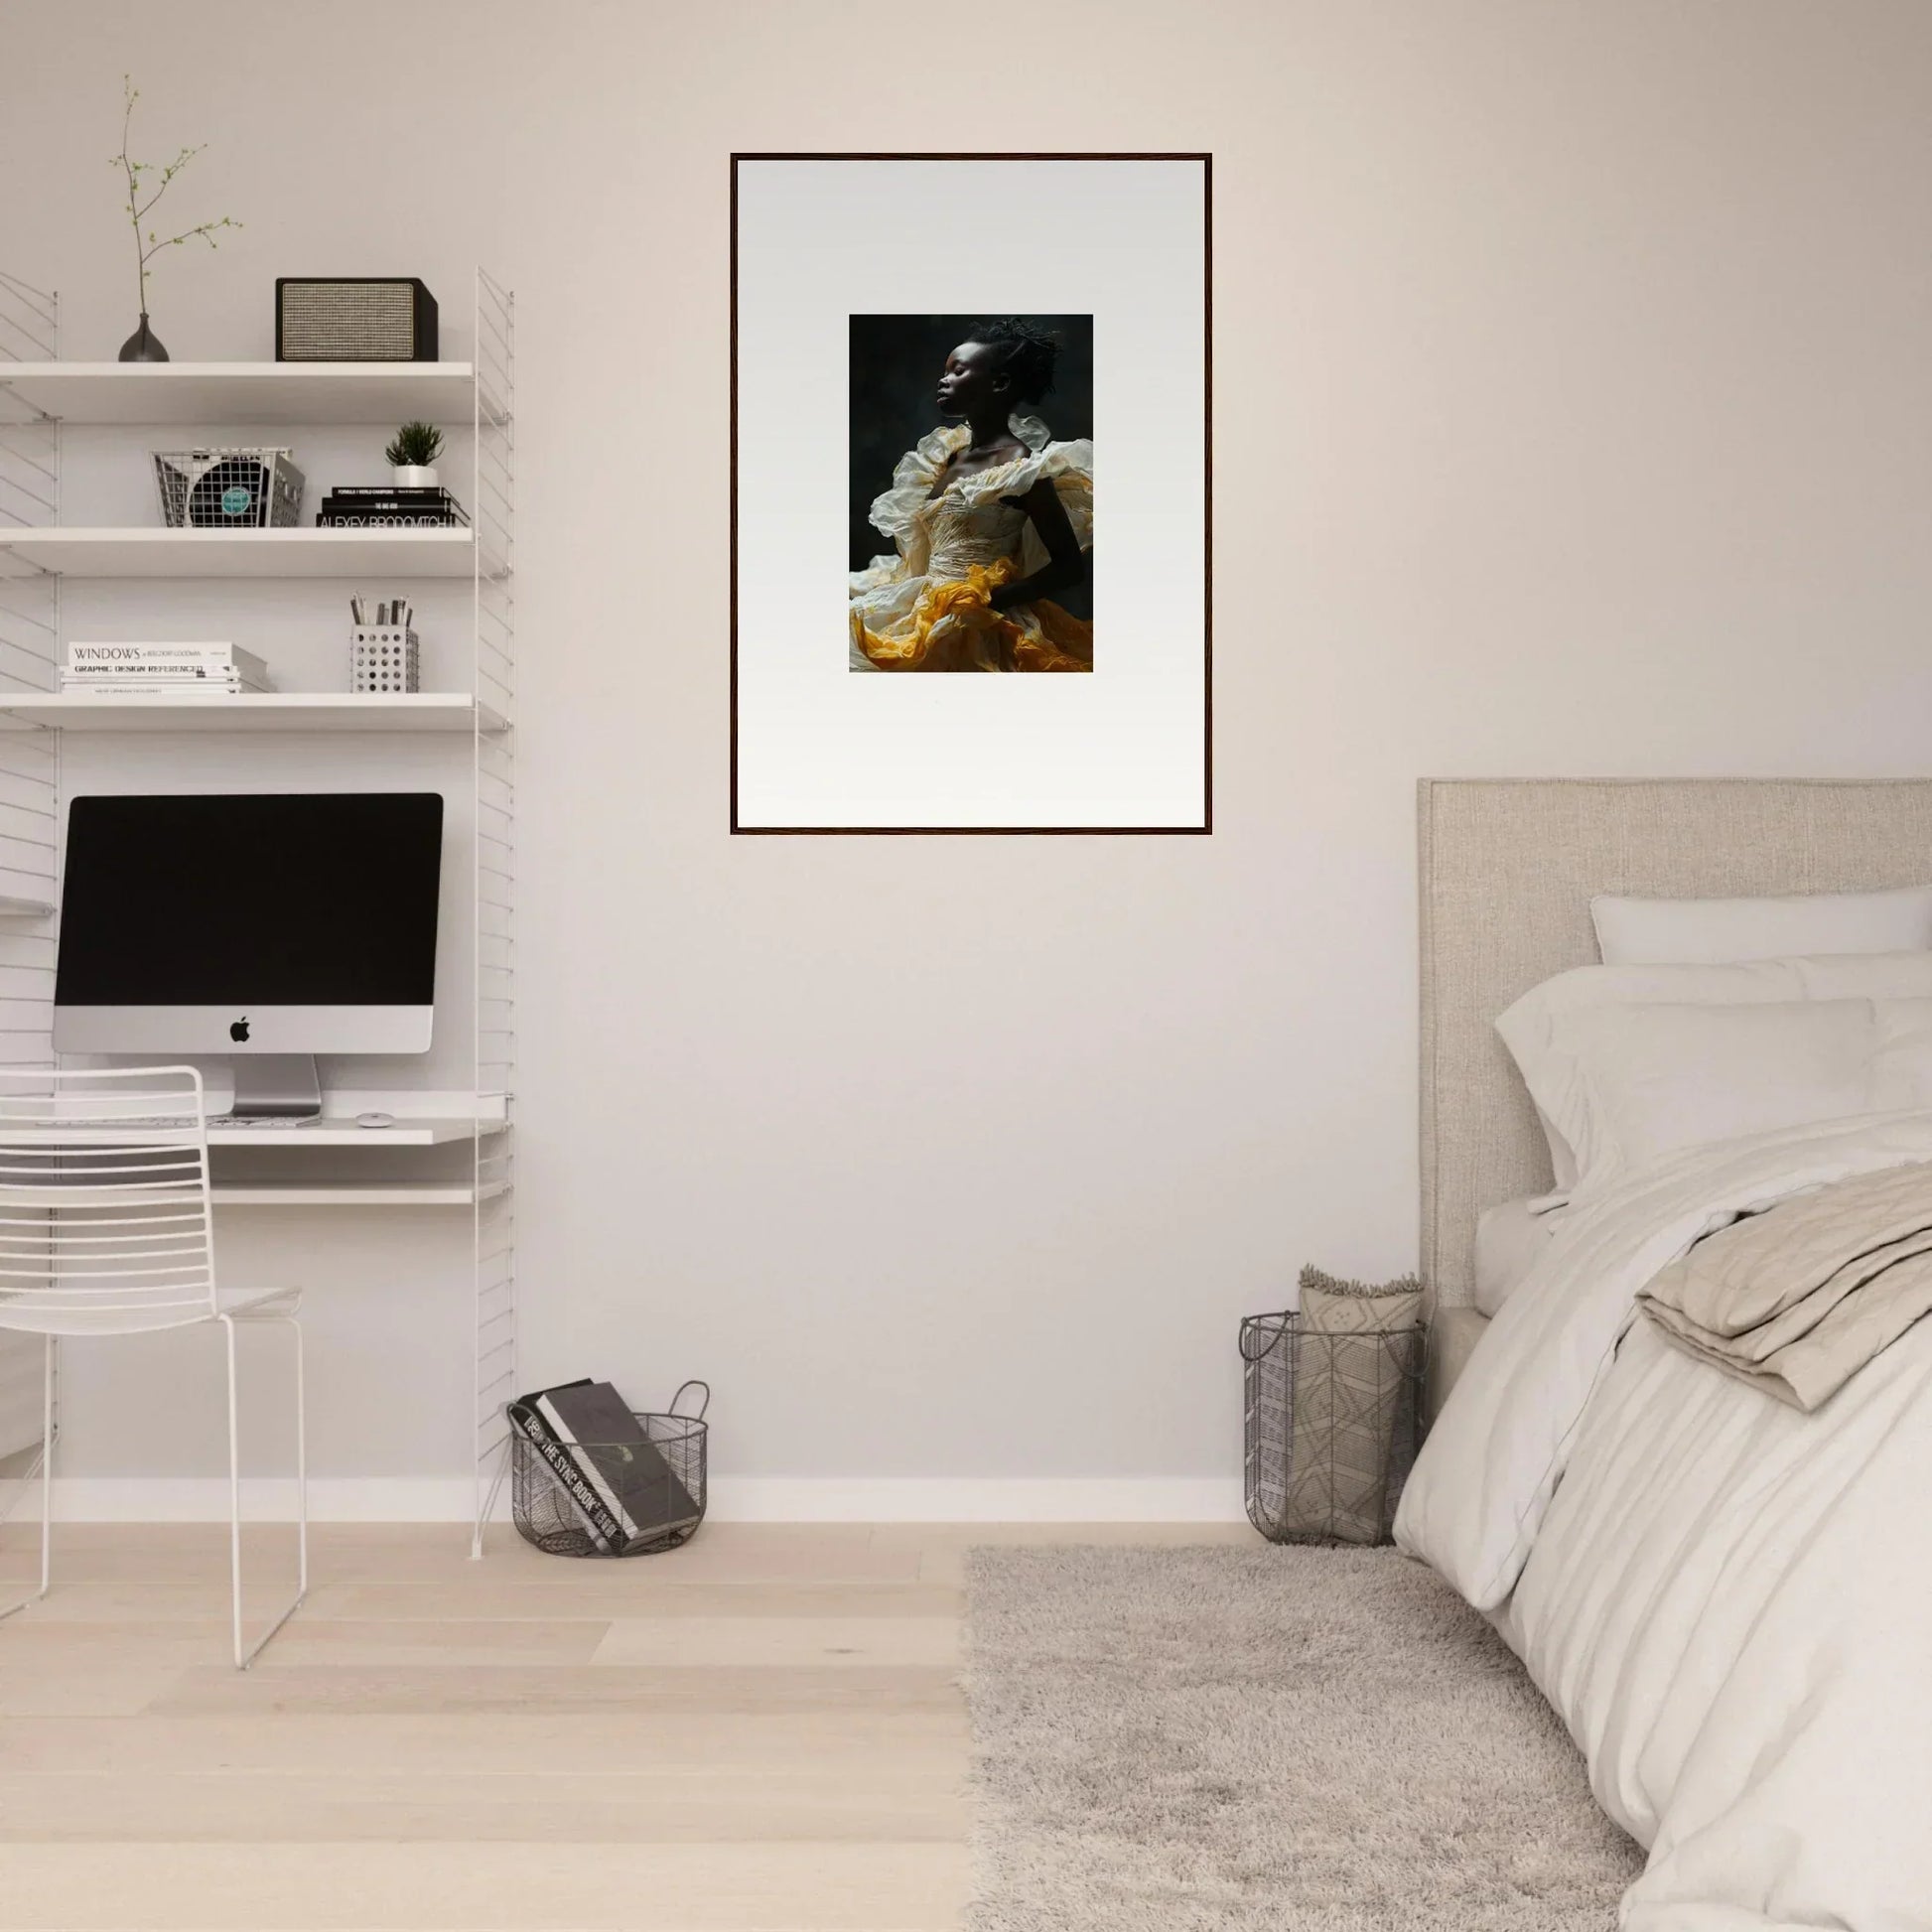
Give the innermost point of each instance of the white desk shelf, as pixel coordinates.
(244, 392)
(275, 711)
(351, 1194)
(394, 555)
(46, 558)
(438, 1131)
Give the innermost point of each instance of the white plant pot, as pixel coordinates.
(414, 476)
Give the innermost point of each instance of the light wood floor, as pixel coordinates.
(760, 1732)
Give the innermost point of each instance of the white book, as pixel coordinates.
(103, 659)
(187, 687)
(157, 673)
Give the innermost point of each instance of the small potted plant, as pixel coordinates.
(412, 454)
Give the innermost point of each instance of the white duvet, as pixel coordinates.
(1729, 1601)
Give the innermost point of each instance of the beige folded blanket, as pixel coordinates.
(1798, 1299)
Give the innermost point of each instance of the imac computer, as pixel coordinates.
(263, 926)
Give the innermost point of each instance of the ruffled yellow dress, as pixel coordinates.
(926, 609)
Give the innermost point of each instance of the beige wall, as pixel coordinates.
(1574, 400)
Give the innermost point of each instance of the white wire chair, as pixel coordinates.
(106, 1229)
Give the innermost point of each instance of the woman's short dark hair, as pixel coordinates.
(1029, 356)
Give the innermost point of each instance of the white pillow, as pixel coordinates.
(1511, 1238)
(1679, 931)
(1529, 1028)
(1627, 1085)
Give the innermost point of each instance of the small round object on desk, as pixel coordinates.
(375, 1120)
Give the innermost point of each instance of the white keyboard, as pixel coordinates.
(214, 1120)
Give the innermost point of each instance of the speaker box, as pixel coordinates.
(354, 319)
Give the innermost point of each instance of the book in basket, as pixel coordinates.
(637, 1495)
(601, 1527)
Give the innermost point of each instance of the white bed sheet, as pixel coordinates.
(1725, 1598)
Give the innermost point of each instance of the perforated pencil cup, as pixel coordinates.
(611, 1499)
(384, 657)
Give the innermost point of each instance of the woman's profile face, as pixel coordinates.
(968, 381)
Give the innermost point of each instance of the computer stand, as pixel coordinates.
(276, 1086)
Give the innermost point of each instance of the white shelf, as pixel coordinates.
(24, 908)
(390, 554)
(275, 711)
(243, 393)
(328, 1131)
(350, 1193)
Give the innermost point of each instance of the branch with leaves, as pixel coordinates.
(147, 244)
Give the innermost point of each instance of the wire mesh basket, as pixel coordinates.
(227, 490)
(553, 1510)
(1333, 1424)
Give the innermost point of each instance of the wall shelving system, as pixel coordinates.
(41, 396)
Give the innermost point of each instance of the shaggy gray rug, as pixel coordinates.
(1297, 1739)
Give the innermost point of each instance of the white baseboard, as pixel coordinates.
(970, 1499)
(205, 1499)
(733, 1499)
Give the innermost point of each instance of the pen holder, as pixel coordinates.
(384, 657)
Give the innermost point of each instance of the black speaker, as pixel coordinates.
(354, 319)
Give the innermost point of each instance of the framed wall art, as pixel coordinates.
(971, 489)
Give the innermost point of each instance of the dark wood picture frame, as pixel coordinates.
(1207, 825)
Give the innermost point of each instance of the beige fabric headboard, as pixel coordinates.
(1508, 866)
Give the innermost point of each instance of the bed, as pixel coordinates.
(1723, 1597)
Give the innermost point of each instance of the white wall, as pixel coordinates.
(1575, 381)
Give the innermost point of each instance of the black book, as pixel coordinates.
(409, 492)
(528, 1420)
(594, 1425)
(373, 506)
(364, 518)
(366, 505)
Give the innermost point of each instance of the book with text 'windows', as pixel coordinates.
(529, 1421)
(638, 1486)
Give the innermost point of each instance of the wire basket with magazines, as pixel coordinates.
(592, 1478)
(228, 489)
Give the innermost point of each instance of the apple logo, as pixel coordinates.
(239, 1031)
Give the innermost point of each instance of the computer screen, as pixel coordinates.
(279, 922)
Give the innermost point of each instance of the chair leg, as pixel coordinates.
(47, 1434)
(244, 1653)
(301, 1462)
(47, 1483)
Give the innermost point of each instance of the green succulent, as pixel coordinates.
(415, 446)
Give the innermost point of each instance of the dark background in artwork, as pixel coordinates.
(897, 362)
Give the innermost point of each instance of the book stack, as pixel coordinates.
(615, 1477)
(178, 670)
(387, 506)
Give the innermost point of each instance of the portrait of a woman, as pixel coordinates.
(991, 521)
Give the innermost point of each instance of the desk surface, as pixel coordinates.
(328, 1131)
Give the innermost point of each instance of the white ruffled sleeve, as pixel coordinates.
(896, 513)
(1068, 466)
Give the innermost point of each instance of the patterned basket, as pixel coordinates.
(1332, 1428)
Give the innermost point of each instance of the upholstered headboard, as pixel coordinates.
(1508, 866)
